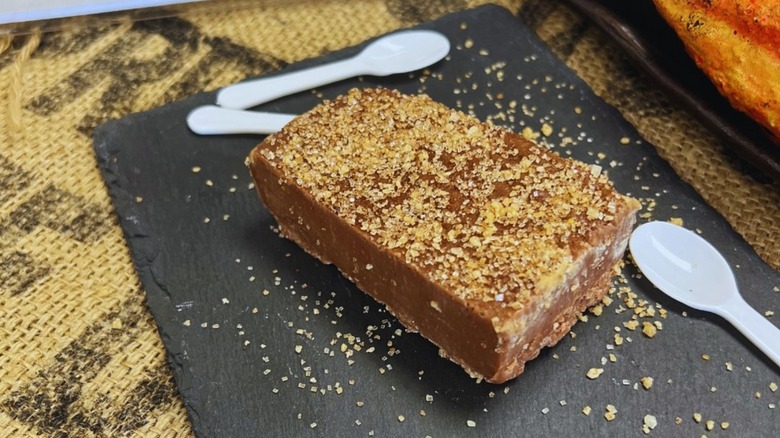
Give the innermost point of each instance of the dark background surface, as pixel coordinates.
(213, 273)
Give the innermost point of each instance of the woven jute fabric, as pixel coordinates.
(79, 352)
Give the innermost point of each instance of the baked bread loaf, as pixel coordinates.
(737, 44)
(481, 241)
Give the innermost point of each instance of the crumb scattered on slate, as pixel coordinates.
(515, 111)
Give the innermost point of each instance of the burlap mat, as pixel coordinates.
(79, 352)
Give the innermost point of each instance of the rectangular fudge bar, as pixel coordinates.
(471, 235)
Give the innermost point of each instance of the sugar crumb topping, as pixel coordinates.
(483, 212)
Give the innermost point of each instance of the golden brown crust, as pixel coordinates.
(482, 241)
(737, 44)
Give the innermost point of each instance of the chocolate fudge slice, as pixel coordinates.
(483, 242)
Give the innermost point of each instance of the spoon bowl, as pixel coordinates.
(683, 265)
(213, 120)
(404, 52)
(398, 52)
(689, 269)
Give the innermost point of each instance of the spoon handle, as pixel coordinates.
(213, 120)
(254, 92)
(764, 334)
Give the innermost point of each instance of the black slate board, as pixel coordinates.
(237, 368)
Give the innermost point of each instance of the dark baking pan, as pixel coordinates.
(654, 47)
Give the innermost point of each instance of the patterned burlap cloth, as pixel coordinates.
(79, 351)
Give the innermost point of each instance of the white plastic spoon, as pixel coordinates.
(399, 52)
(690, 270)
(213, 120)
